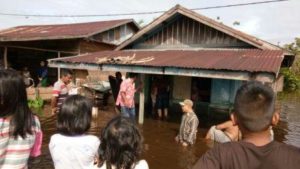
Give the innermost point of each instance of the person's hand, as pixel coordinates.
(176, 139)
(184, 144)
(53, 110)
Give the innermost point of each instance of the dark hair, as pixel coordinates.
(121, 143)
(254, 106)
(132, 75)
(13, 102)
(118, 74)
(66, 72)
(75, 116)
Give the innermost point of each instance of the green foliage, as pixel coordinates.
(291, 80)
(36, 103)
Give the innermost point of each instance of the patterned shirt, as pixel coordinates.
(188, 128)
(128, 87)
(60, 91)
(14, 153)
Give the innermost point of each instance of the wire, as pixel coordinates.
(138, 13)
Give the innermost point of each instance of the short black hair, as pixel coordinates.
(75, 116)
(66, 72)
(13, 102)
(121, 143)
(254, 106)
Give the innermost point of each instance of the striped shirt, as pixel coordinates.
(60, 91)
(14, 153)
(188, 128)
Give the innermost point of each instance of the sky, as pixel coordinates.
(278, 23)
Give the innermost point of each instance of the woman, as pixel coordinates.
(19, 128)
(121, 145)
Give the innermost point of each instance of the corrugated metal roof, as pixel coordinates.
(62, 31)
(250, 60)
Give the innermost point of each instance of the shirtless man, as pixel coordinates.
(224, 132)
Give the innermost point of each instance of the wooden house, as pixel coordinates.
(192, 51)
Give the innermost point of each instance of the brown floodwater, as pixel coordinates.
(161, 151)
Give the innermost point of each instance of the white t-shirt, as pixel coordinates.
(142, 164)
(74, 152)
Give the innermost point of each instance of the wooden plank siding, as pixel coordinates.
(184, 32)
(116, 35)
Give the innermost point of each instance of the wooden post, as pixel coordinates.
(5, 58)
(142, 101)
(58, 69)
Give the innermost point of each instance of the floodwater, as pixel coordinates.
(160, 149)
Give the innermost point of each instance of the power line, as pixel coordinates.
(140, 13)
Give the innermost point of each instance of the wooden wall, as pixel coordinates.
(116, 35)
(187, 33)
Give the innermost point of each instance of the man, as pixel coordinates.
(60, 90)
(254, 114)
(224, 132)
(126, 96)
(189, 124)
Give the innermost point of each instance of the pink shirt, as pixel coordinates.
(128, 87)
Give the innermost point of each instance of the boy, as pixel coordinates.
(189, 124)
(254, 114)
(224, 132)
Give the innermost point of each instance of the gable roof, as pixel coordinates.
(260, 44)
(60, 31)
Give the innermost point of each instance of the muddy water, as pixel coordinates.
(288, 129)
(161, 151)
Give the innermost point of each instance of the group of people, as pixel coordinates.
(120, 143)
(42, 75)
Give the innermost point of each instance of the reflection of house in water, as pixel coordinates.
(206, 60)
(28, 45)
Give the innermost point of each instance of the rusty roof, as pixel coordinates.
(178, 9)
(249, 60)
(60, 31)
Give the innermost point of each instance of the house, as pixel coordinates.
(28, 45)
(201, 57)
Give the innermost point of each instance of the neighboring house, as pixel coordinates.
(28, 45)
(192, 50)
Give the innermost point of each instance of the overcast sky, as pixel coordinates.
(274, 22)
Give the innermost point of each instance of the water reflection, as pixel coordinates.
(288, 130)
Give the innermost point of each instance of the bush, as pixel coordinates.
(291, 80)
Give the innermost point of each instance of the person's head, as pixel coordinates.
(13, 103)
(43, 63)
(133, 76)
(66, 76)
(186, 105)
(118, 75)
(75, 116)
(121, 143)
(254, 107)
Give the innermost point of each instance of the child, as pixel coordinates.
(72, 147)
(224, 132)
(18, 126)
(121, 145)
(189, 124)
(254, 114)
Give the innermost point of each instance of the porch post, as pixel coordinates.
(58, 69)
(5, 58)
(142, 101)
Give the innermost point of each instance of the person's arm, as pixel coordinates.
(224, 125)
(53, 104)
(55, 94)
